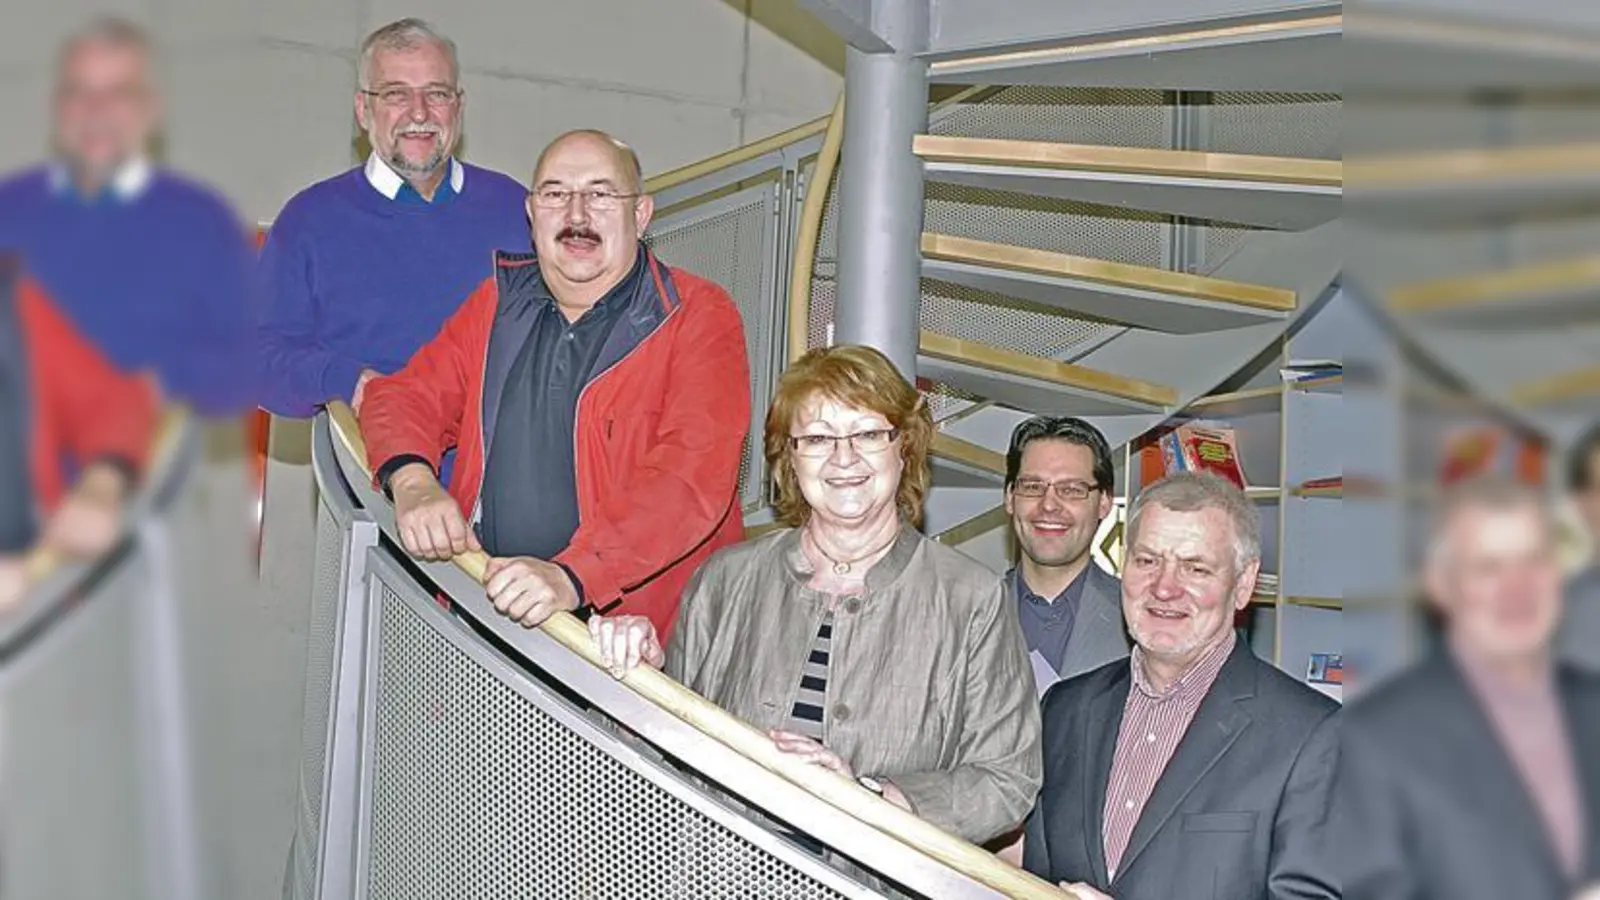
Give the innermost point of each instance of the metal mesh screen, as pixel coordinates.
(479, 793)
(70, 754)
(1307, 126)
(321, 652)
(732, 247)
(1124, 118)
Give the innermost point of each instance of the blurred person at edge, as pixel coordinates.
(150, 266)
(362, 269)
(1578, 639)
(74, 436)
(1476, 773)
(857, 643)
(599, 400)
(1193, 769)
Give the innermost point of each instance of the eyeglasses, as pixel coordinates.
(1033, 489)
(597, 199)
(820, 446)
(396, 97)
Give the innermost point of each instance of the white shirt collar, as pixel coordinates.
(127, 183)
(386, 181)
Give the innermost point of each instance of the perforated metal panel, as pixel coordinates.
(1307, 126)
(70, 755)
(326, 588)
(730, 242)
(1123, 118)
(480, 793)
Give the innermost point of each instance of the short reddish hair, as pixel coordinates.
(862, 378)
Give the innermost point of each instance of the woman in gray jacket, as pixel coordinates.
(852, 639)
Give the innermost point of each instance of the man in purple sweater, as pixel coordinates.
(362, 269)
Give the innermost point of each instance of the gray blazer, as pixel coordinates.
(928, 683)
(1098, 636)
(1239, 813)
(1430, 804)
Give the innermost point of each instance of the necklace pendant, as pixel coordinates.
(840, 568)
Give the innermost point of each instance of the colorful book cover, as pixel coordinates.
(1211, 449)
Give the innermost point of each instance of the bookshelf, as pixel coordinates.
(1289, 442)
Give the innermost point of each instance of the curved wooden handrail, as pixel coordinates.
(674, 177)
(1144, 44)
(41, 562)
(1057, 156)
(710, 720)
(809, 233)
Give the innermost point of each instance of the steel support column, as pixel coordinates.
(880, 187)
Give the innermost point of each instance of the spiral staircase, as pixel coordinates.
(1114, 223)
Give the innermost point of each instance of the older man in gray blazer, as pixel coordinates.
(1058, 489)
(1193, 770)
(1476, 774)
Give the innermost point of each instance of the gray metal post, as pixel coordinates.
(880, 187)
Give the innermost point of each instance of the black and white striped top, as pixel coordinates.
(812, 700)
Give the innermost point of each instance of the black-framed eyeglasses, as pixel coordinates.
(820, 446)
(598, 199)
(435, 96)
(1035, 488)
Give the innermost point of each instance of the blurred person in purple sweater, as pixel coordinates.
(152, 267)
(1476, 774)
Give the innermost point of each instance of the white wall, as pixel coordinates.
(259, 91)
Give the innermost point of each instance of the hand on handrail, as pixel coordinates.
(89, 519)
(430, 523)
(15, 579)
(626, 641)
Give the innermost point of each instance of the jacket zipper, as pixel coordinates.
(483, 420)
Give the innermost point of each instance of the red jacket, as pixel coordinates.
(660, 431)
(83, 409)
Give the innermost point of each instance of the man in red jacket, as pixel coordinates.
(74, 435)
(598, 400)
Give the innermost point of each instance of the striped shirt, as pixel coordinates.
(806, 715)
(1153, 724)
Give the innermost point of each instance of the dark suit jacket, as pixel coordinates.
(1241, 811)
(1098, 636)
(1430, 802)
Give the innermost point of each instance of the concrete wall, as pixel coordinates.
(259, 91)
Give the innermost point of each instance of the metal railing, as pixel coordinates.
(96, 763)
(451, 752)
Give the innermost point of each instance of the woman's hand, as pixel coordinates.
(810, 751)
(626, 641)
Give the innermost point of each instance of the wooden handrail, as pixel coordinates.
(1101, 271)
(674, 177)
(710, 720)
(987, 356)
(1152, 43)
(1132, 160)
(810, 233)
(1580, 273)
(40, 561)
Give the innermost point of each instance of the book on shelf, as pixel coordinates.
(1300, 371)
(1328, 481)
(1472, 451)
(1202, 446)
(1325, 673)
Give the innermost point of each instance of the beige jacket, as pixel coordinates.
(929, 683)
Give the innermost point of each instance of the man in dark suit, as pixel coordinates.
(1476, 774)
(1193, 770)
(1059, 483)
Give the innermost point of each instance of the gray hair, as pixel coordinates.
(1194, 491)
(1484, 493)
(405, 34)
(115, 31)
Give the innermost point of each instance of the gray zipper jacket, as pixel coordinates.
(929, 683)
